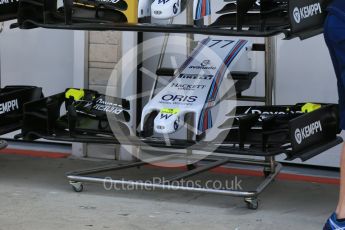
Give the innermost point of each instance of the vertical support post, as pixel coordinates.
(189, 44)
(190, 21)
(270, 69)
(80, 76)
(270, 80)
(2, 26)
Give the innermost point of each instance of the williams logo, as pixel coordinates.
(305, 12)
(308, 131)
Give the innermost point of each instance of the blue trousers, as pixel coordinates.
(334, 33)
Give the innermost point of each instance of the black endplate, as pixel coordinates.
(12, 101)
(88, 118)
(8, 10)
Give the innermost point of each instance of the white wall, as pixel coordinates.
(37, 57)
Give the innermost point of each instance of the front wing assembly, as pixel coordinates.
(276, 130)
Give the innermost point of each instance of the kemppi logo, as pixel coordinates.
(307, 131)
(305, 12)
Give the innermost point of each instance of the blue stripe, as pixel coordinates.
(194, 54)
(220, 74)
(199, 9)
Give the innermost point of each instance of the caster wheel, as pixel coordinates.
(191, 167)
(267, 173)
(77, 186)
(252, 203)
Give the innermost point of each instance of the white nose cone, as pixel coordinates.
(166, 9)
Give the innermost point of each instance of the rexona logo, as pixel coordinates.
(307, 131)
(268, 113)
(108, 107)
(257, 111)
(109, 1)
(9, 106)
(302, 13)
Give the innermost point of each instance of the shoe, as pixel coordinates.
(333, 224)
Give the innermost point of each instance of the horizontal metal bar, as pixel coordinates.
(269, 178)
(163, 186)
(3, 144)
(159, 28)
(251, 98)
(117, 167)
(196, 171)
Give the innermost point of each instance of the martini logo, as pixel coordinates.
(308, 131)
(204, 65)
(305, 12)
(9, 106)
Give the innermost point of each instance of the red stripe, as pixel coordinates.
(203, 8)
(32, 153)
(255, 173)
(205, 119)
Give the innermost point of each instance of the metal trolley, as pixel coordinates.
(271, 168)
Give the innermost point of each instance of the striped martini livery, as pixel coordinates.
(195, 89)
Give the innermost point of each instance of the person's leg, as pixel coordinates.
(335, 40)
(340, 211)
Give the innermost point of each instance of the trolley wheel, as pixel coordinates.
(252, 203)
(77, 186)
(266, 173)
(191, 167)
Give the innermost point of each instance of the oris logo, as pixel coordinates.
(179, 98)
(305, 12)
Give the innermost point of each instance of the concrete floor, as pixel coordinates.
(34, 194)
